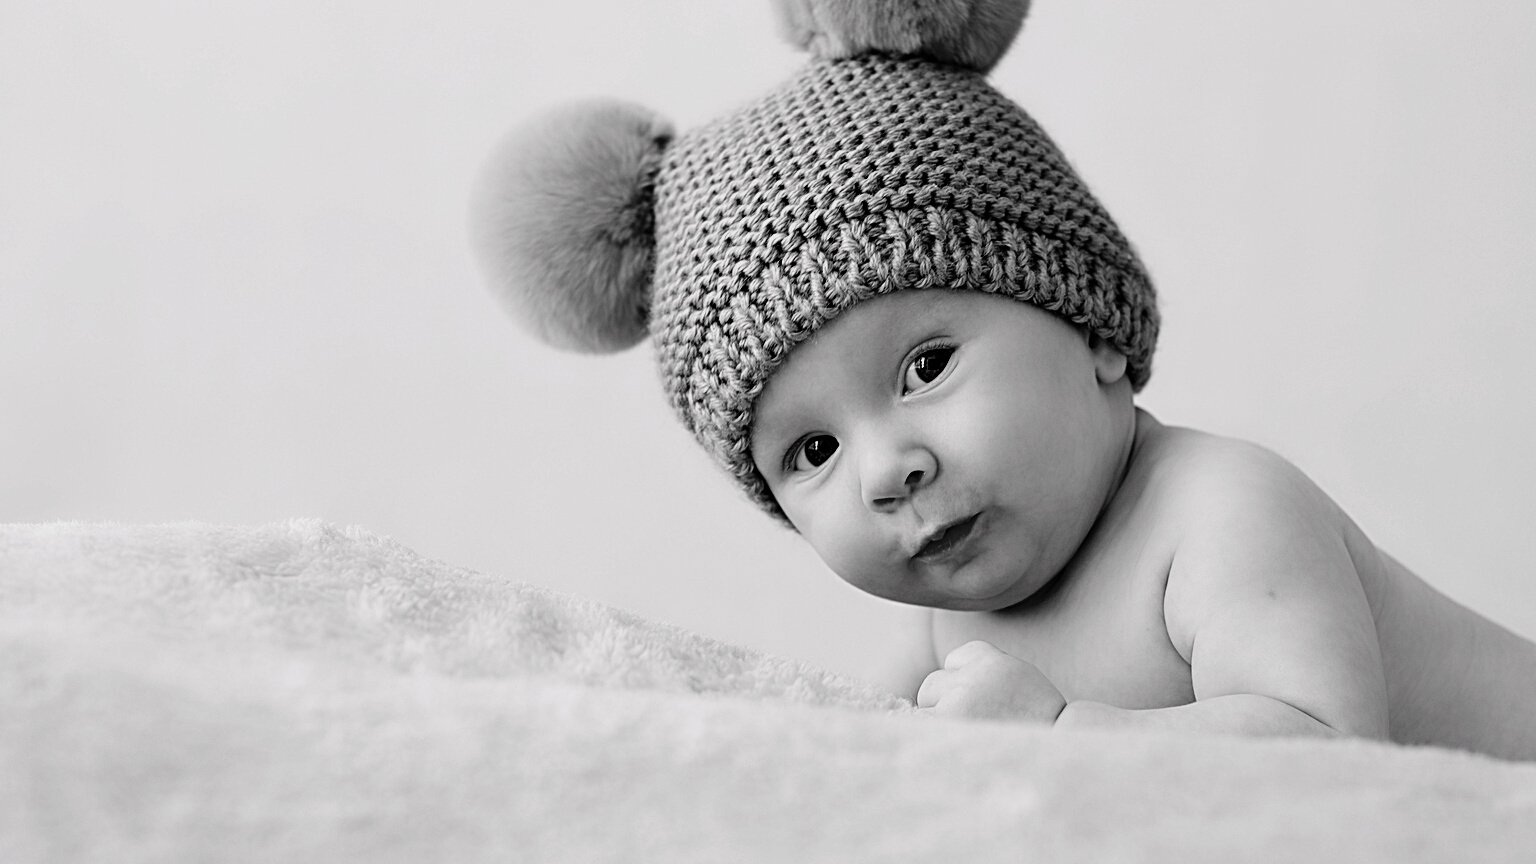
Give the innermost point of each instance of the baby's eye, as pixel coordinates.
(926, 367)
(814, 451)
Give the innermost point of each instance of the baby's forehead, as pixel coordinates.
(880, 324)
(867, 339)
(871, 338)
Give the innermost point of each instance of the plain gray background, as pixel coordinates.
(234, 283)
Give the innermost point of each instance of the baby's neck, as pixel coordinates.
(1142, 426)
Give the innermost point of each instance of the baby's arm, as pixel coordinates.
(1265, 603)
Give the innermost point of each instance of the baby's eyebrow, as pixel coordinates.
(761, 442)
(770, 440)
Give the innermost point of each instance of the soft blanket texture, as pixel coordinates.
(303, 692)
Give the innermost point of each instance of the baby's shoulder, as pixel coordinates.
(1201, 479)
(1249, 527)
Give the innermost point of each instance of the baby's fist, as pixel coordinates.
(980, 681)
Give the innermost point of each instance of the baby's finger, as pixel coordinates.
(969, 653)
(932, 689)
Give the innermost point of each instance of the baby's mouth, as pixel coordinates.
(947, 539)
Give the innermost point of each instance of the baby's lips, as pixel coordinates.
(947, 535)
(916, 543)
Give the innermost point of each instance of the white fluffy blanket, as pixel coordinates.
(303, 692)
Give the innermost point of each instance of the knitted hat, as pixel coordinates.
(887, 163)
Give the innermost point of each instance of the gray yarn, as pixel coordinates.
(856, 178)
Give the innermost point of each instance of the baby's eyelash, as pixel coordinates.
(792, 456)
(787, 464)
(940, 351)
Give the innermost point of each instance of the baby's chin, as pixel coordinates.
(965, 592)
(994, 603)
(990, 583)
(962, 604)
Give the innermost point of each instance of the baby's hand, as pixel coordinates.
(982, 682)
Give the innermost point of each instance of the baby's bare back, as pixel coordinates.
(1454, 678)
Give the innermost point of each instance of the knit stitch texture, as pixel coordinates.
(856, 178)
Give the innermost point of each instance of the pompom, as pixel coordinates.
(563, 226)
(970, 33)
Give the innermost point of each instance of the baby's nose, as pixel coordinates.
(892, 476)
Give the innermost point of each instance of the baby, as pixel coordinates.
(1087, 565)
(884, 302)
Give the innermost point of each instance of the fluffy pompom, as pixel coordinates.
(970, 33)
(563, 226)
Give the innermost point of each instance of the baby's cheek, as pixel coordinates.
(862, 559)
(838, 550)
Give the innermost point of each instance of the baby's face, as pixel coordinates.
(945, 448)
